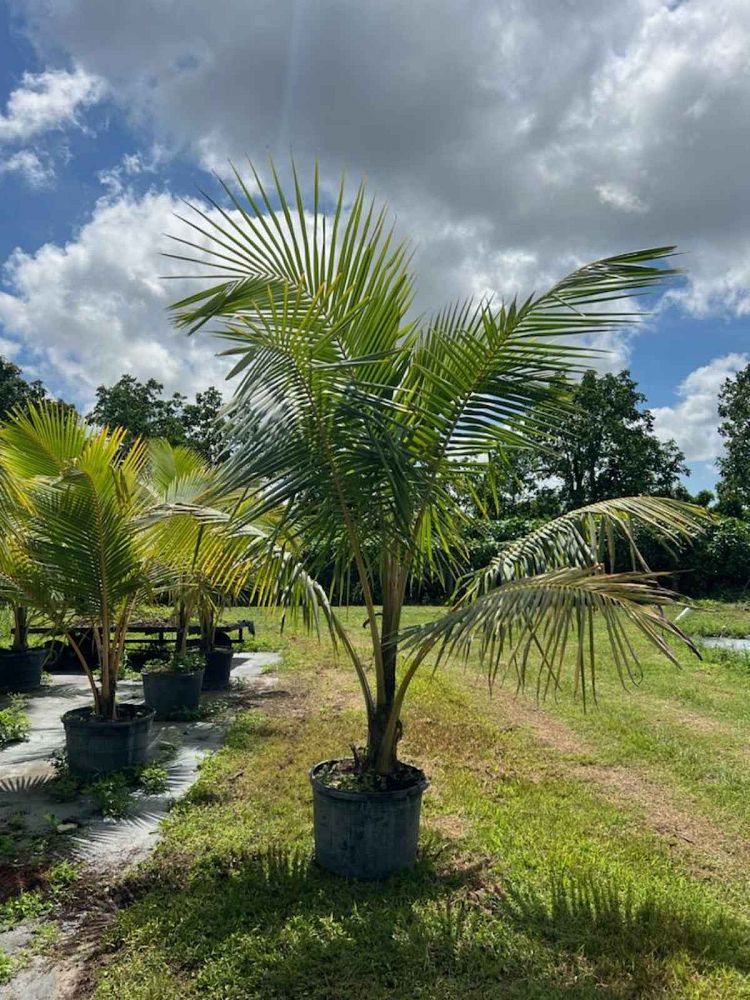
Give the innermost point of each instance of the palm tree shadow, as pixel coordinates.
(422, 931)
(592, 914)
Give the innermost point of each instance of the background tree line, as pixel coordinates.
(607, 448)
(139, 407)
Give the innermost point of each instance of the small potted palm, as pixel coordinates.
(172, 687)
(87, 562)
(21, 666)
(218, 658)
(199, 558)
(354, 425)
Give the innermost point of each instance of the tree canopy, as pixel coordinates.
(15, 390)
(142, 410)
(607, 447)
(734, 465)
(604, 448)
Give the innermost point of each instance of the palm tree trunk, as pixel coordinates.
(109, 674)
(382, 742)
(20, 628)
(182, 629)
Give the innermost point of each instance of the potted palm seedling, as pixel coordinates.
(197, 552)
(353, 423)
(21, 665)
(172, 687)
(218, 658)
(86, 493)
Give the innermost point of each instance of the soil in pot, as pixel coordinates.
(367, 834)
(98, 746)
(173, 694)
(218, 669)
(21, 669)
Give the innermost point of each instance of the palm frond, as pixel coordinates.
(587, 537)
(528, 623)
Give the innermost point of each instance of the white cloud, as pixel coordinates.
(48, 100)
(95, 308)
(619, 197)
(116, 178)
(36, 172)
(508, 142)
(693, 421)
(513, 144)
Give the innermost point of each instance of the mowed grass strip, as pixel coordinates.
(533, 880)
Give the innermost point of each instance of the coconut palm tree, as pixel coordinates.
(354, 420)
(83, 556)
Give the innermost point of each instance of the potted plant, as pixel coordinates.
(21, 666)
(85, 491)
(354, 422)
(218, 658)
(206, 563)
(92, 554)
(172, 688)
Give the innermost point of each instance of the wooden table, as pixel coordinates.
(158, 633)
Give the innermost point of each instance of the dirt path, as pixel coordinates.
(671, 815)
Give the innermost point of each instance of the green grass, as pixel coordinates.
(537, 879)
(14, 720)
(718, 618)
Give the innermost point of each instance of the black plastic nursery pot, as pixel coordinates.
(218, 669)
(172, 693)
(21, 669)
(365, 835)
(98, 746)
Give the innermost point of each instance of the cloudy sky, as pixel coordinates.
(514, 139)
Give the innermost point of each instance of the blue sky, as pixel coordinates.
(513, 141)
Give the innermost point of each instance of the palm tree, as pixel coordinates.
(190, 532)
(354, 419)
(84, 557)
(95, 528)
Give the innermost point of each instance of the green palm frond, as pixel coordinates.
(528, 623)
(41, 441)
(587, 537)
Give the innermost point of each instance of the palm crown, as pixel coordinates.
(353, 421)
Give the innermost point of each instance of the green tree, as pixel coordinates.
(15, 390)
(355, 424)
(607, 447)
(204, 426)
(141, 409)
(138, 407)
(734, 409)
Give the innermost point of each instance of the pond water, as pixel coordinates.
(726, 642)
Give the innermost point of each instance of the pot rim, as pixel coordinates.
(8, 651)
(78, 716)
(387, 796)
(173, 673)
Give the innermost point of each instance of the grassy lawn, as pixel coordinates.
(563, 854)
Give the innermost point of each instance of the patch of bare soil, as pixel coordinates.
(449, 825)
